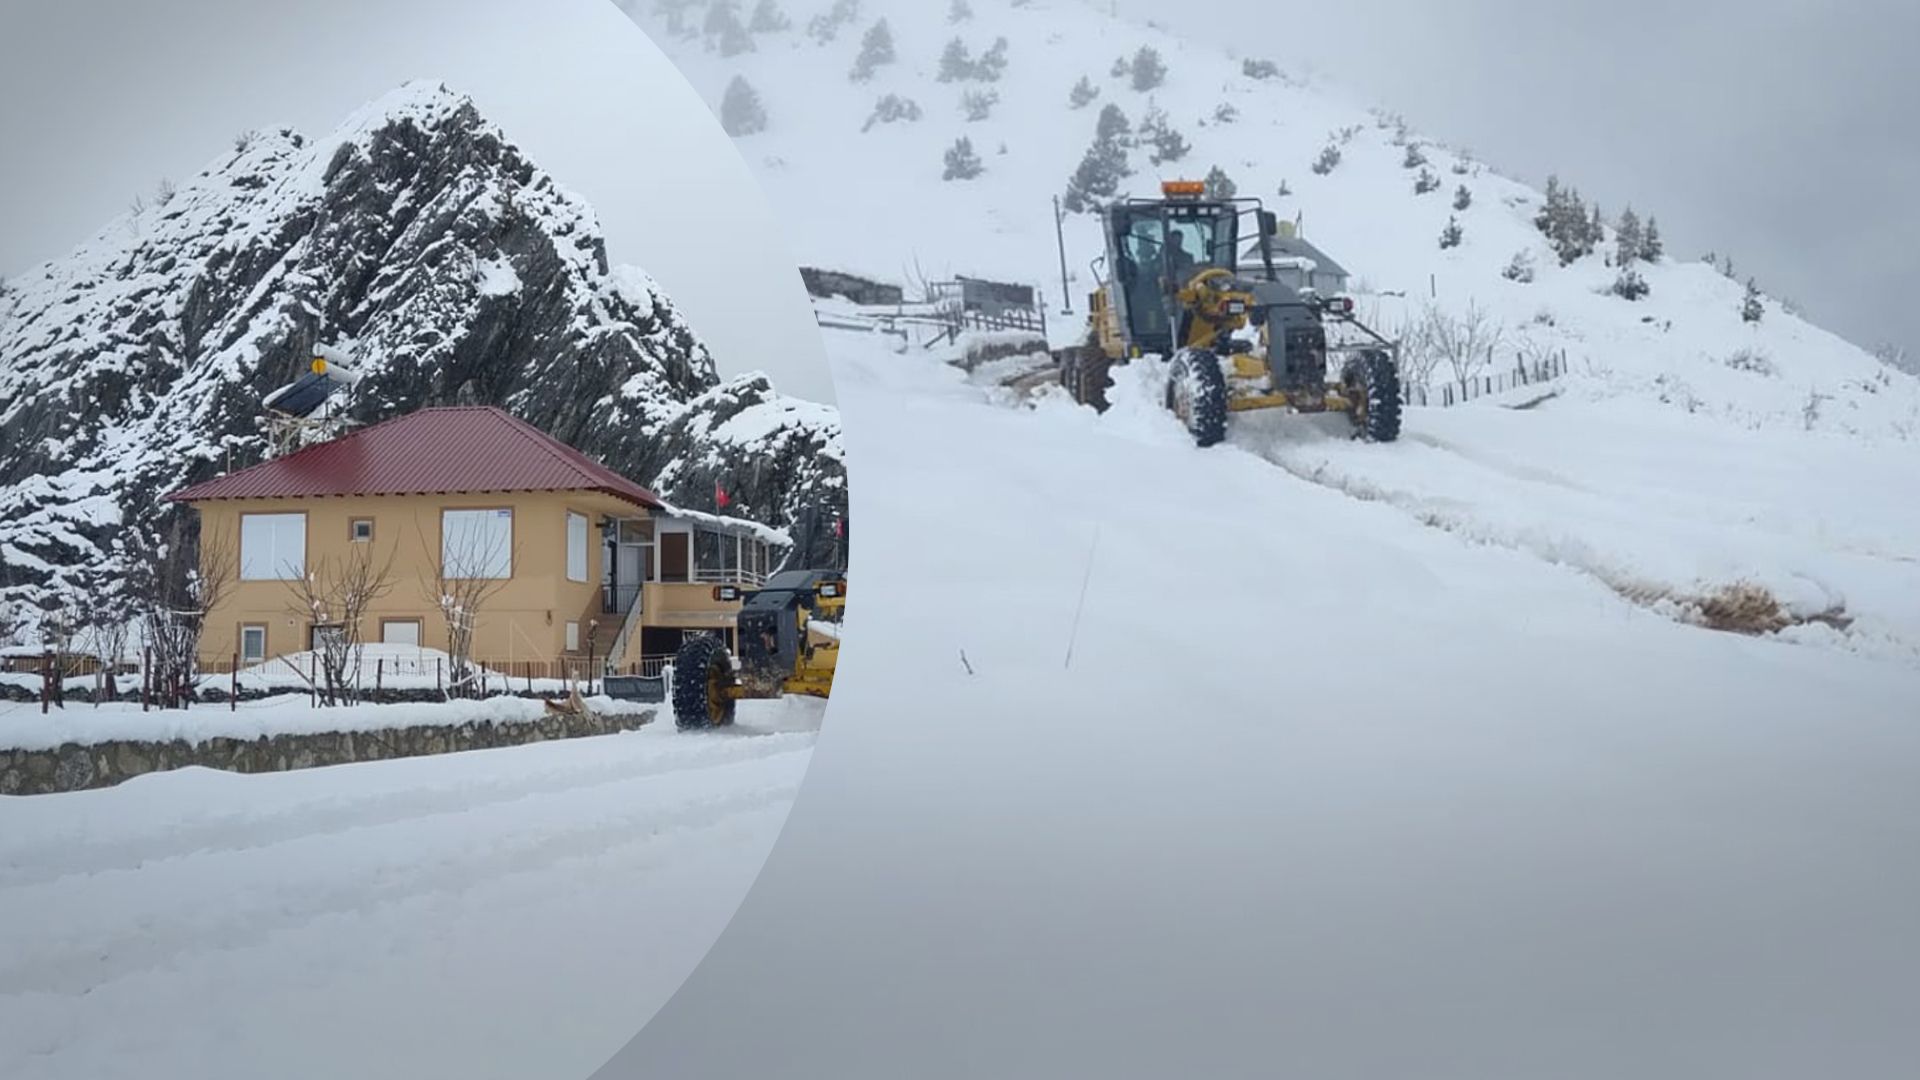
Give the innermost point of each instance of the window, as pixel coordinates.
(576, 547)
(362, 530)
(273, 547)
(573, 637)
(400, 632)
(327, 637)
(476, 544)
(253, 644)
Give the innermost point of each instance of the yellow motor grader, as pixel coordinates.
(788, 635)
(1234, 341)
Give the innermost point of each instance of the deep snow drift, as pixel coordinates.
(1310, 787)
(502, 913)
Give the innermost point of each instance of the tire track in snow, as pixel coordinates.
(242, 898)
(74, 853)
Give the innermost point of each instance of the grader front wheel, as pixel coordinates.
(1372, 387)
(702, 676)
(1197, 395)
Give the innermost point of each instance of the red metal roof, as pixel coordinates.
(470, 449)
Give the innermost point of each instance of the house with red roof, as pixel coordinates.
(476, 523)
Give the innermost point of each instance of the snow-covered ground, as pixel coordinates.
(502, 913)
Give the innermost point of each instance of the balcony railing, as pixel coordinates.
(618, 599)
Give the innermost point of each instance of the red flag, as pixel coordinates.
(839, 528)
(720, 497)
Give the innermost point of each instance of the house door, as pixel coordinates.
(674, 557)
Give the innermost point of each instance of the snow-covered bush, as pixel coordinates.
(1414, 158)
(1329, 158)
(1751, 309)
(1450, 236)
(1225, 113)
(962, 162)
(1629, 285)
(1462, 197)
(741, 112)
(959, 11)
(876, 50)
(977, 105)
(1519, 268)
(1083, 93)
(1148, 70)
(1753, 361)
(1425, 182)
(1259, 69)
(892, 109)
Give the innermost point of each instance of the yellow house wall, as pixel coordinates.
(523, 620)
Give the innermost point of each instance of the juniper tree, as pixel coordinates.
(1450, 236)
(1751, 309)
(1122, 68)
(1158, 133)
(978, 104)
(992, 63)
(1650, 247)
(741, 112)
(1148, 70)
(962, 162)
(956, 62)
(723, 23)
(1462, 197)
(1225, 113)
(1105, 164)
(1259, 69)
(1083, 93)
(1425, 182)
(1220, 185)
(892, 109)
(1415, 158)
(769, 19)
(876, 49)
(959, 11)
(1328, 159)
(826, 26)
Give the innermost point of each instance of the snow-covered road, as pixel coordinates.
(503, 913)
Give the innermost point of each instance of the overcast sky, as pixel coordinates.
(1780, 132)
(101, 99)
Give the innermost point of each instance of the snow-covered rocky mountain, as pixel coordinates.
(417, 238)
(856, 154)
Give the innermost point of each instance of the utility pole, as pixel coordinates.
(1060, 234)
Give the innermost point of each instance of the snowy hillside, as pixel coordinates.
(416, 238)
(866, 194)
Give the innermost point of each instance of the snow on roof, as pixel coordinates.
(730, 525)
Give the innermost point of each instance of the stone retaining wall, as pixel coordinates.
(76, 767)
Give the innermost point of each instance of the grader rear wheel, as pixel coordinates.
(1372, 387)
(1085, 373)
(702, 675)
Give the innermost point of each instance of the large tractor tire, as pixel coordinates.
(702, 673)
(1197, 395)
(1372, 387)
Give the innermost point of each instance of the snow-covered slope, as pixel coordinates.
(418, 239)
(871, 199)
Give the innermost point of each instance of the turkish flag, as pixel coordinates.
(839, 528)
(720, 497)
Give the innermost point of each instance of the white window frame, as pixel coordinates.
(579, 533)
(495, 561)
(247, 657)
(353, 530)
(573, 637)
(284, 539)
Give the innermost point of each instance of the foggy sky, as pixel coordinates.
(102, 99)
(1779, 132)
